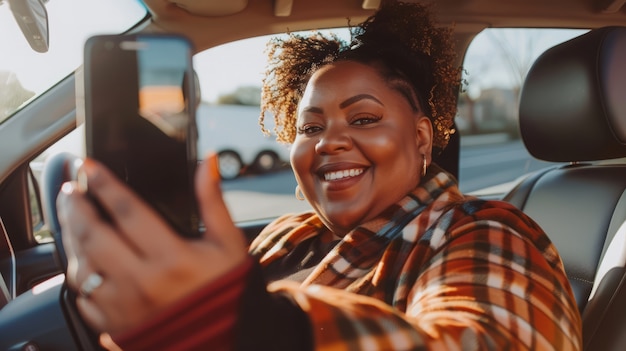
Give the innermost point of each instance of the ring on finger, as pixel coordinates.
(93, 281)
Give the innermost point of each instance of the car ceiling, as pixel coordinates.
(212, 22)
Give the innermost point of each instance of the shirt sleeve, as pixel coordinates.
(235, 312)
(204, 320)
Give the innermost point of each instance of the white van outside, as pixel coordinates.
(233, 131)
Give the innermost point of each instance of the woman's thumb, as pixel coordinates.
(213, 209)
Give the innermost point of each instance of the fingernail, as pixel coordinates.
(214, 166)
(89, 166)
(81, 179)
(87, 173)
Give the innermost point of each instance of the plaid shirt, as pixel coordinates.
(437, 271)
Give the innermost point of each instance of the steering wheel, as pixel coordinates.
(58, 169)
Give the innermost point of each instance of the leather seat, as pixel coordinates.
(573, 110)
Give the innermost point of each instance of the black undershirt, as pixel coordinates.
(274, 321)
(298, 264)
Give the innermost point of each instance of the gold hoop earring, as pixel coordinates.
(424, 166)
(299, 193)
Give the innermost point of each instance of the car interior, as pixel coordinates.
(572, 114)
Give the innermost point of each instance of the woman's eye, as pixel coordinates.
(363, 120)
(308, 129)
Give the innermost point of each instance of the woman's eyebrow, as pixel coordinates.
(359, 97)
(344, 104)
(312, 109)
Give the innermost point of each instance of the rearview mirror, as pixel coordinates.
(32, 18)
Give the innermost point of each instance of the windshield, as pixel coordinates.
(25, 73)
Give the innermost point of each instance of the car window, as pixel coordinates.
(26, 73)
(492, 153)
(257, 180)
(496, 63)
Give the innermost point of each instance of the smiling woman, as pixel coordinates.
(434, 260)
(392, 255)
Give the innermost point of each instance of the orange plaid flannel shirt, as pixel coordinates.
(437, 271)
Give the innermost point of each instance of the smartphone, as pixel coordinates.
(140, 103)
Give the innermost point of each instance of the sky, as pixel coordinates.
(224, 68)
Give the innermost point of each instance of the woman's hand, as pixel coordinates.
(145, 266)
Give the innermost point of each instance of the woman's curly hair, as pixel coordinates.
(400, 39)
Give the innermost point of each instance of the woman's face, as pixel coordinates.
(360, 145)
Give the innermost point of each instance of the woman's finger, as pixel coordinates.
(71, 203)
(89, 238)
(102, 268)
(140, 224)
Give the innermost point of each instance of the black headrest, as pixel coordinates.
(573, 103)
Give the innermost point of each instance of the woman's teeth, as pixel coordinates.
(343, 174)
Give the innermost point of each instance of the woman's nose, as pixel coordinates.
(334, 139)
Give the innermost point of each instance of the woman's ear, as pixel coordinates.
(424, 133)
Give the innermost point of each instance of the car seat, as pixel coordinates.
(573, 110)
